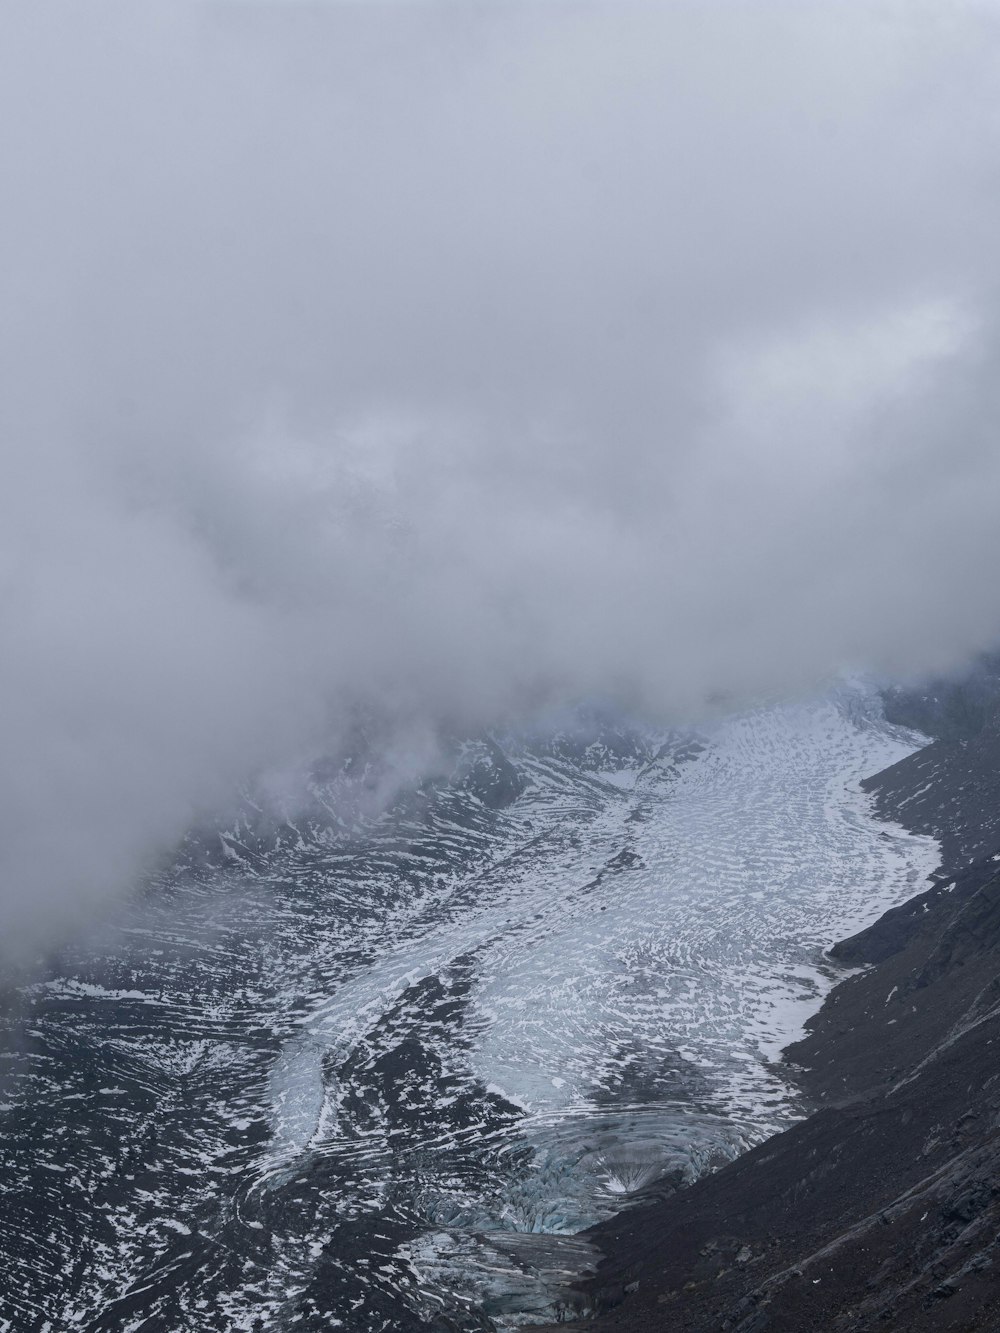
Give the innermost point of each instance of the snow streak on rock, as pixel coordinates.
(364, 1075)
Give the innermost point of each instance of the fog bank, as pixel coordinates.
(450, 362)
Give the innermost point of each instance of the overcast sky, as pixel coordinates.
(452, 358)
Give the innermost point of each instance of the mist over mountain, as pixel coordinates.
(450, 364)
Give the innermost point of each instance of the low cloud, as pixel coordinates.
(451, 361)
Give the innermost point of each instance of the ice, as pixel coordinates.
(395, 1064)
(658, 945)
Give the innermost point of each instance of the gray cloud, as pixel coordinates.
(450, 360)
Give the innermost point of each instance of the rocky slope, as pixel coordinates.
(882, 1209)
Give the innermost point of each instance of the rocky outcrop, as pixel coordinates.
(951, 790)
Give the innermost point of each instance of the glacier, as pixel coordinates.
(377, 1071)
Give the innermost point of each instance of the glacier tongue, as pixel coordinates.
(691, 922)
(374, 1075)
(641, 945)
